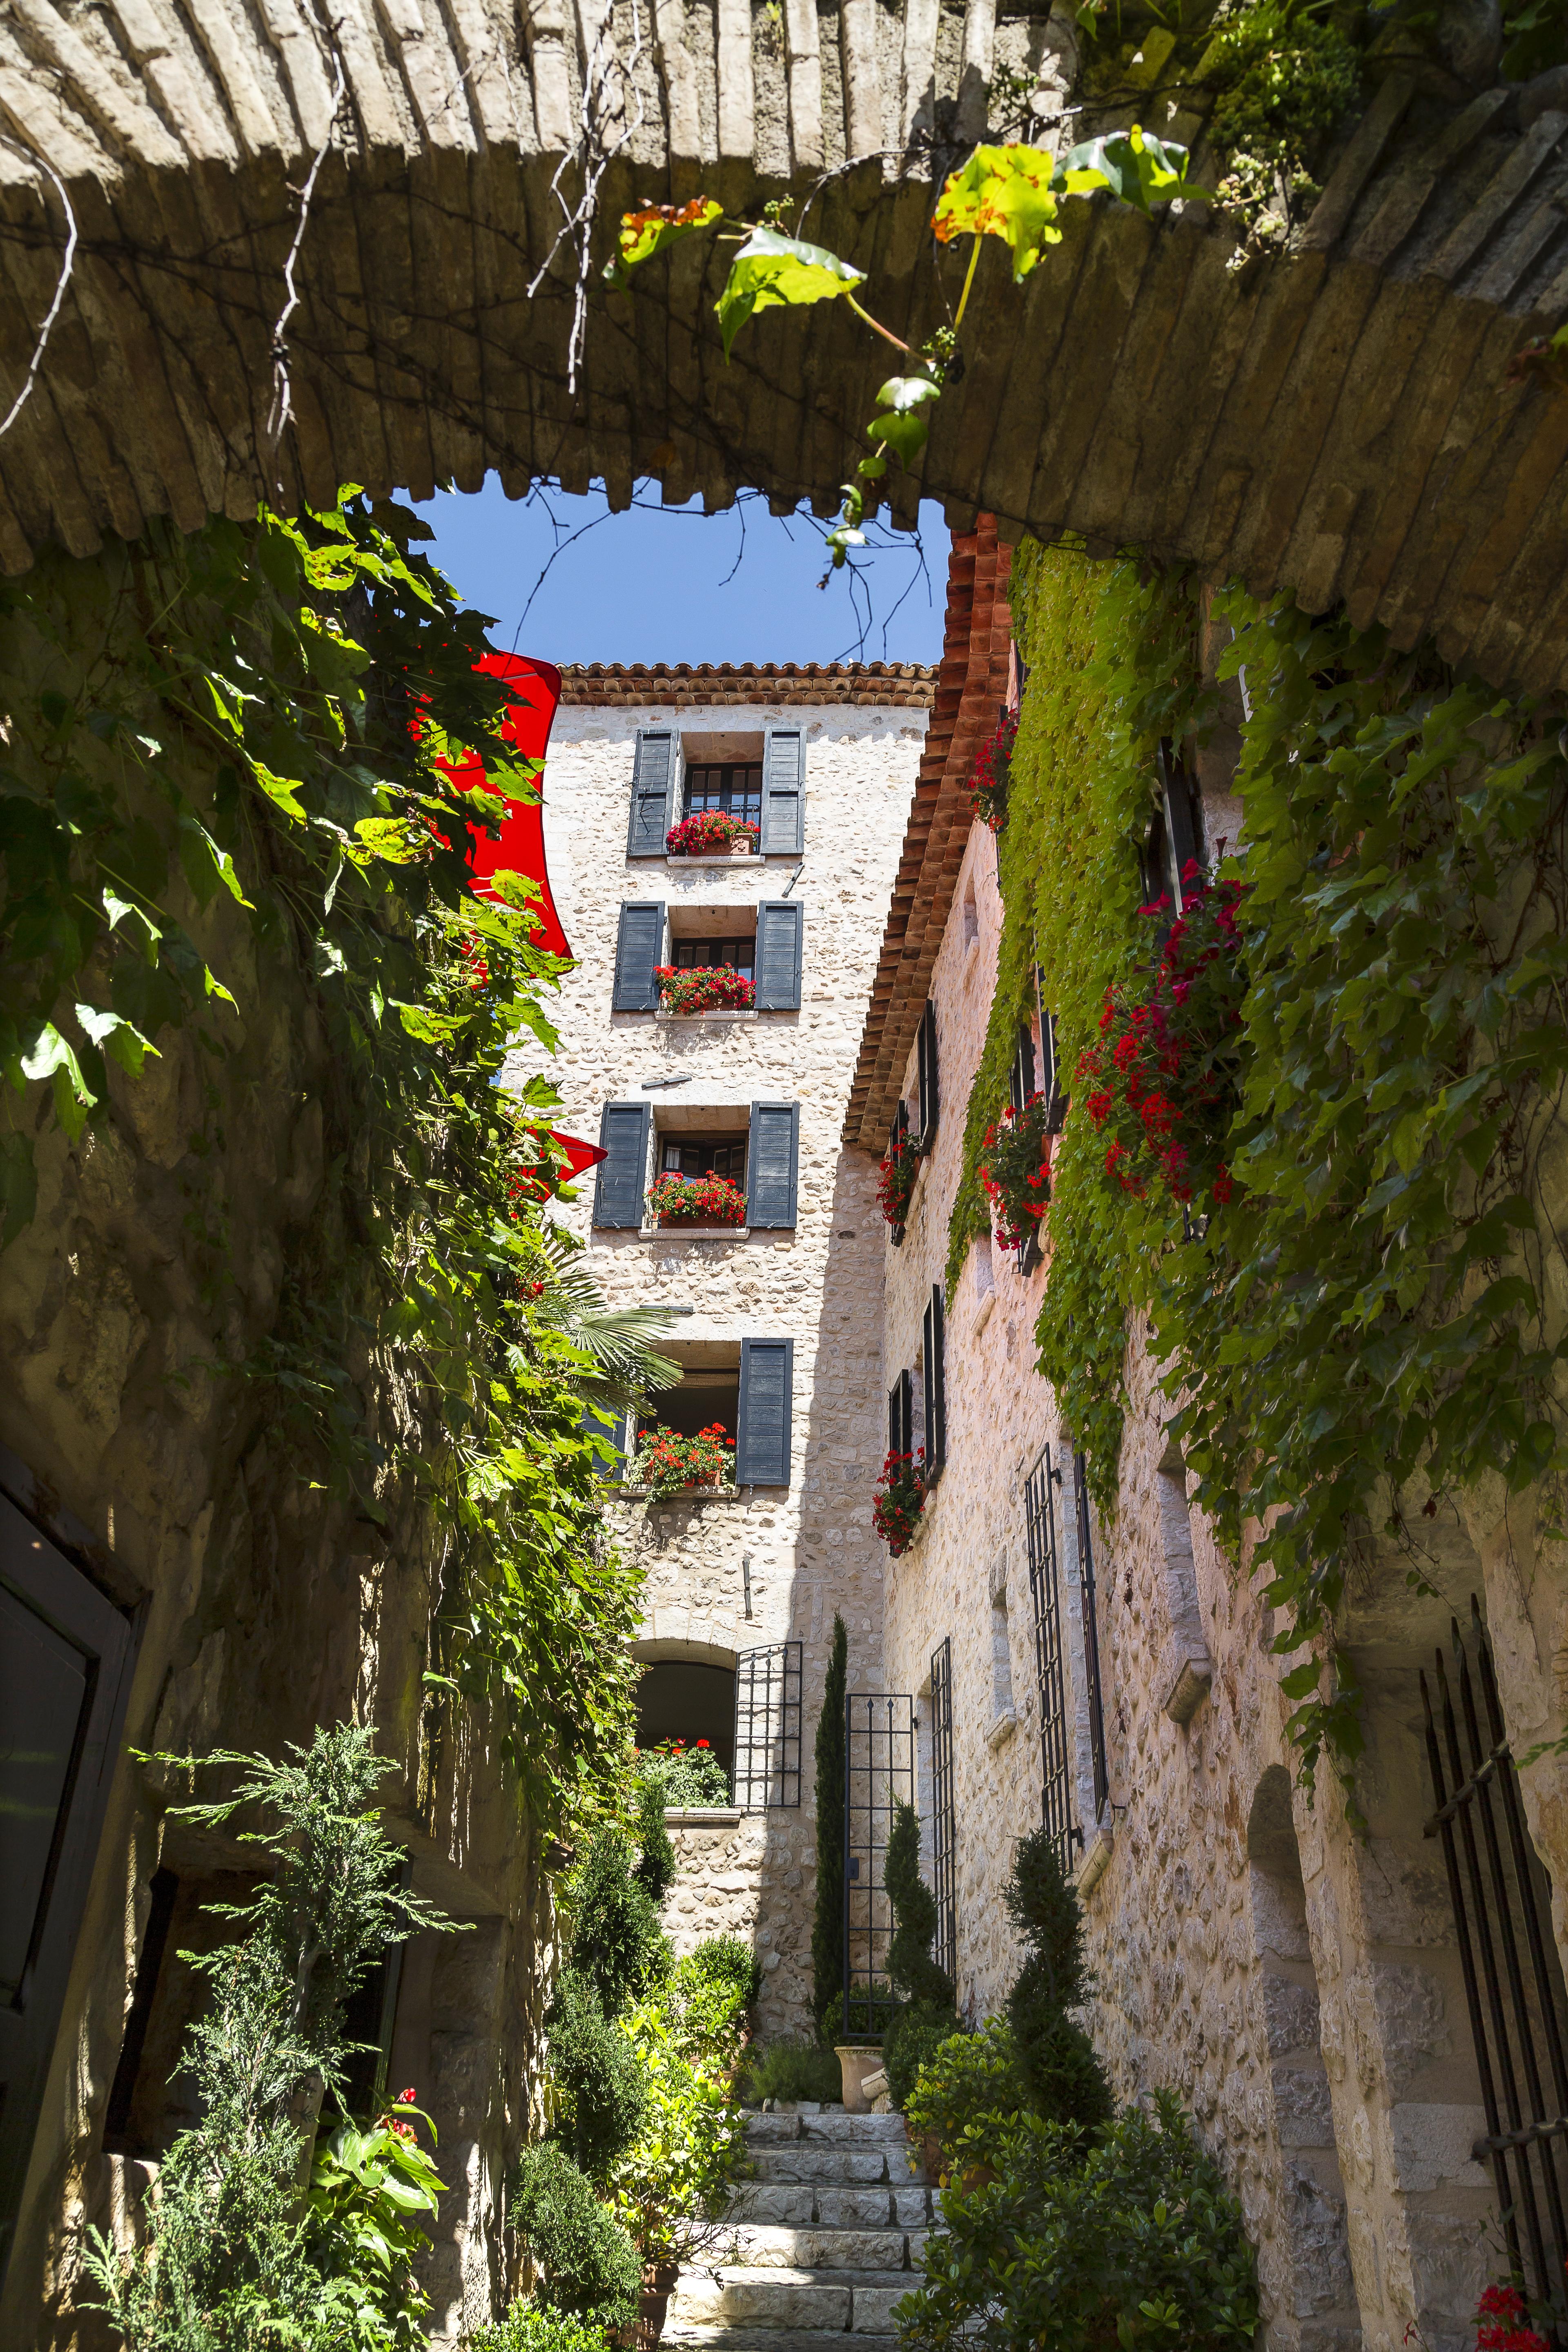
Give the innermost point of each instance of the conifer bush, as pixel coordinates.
(584, 2259)
(1062, 2077)
(832, 1764)
(927, 2017)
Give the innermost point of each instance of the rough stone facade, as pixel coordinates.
(807, 1551)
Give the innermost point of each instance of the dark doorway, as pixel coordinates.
(678, 1698)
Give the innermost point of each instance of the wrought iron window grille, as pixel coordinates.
(1514, 1985)
(879, 1761)
(767, 1726)
(944, 1819)
(1089, 1603)
(1045, 1593)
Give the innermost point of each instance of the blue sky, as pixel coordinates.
(671, 584)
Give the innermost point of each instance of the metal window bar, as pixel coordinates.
(944, 1819)
(1089, 1602)
(1045, 1591)
(767, 1728)
(880, 1760)
(1516, 2009)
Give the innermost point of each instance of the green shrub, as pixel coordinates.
(1135, 2244)
(791, 2070)
(1285, 82)
(535, 2327)
(828, 1920)
(656, 1862)
(586, 2262)
(689, 1772)
(911, 2040)
(672, 2187)
(1062, 2076)
(618, 1943)
(928, 2017)
(711, 1989)
(966, 2087)
(725, 1961)
(601, 2097)
(875, 2002)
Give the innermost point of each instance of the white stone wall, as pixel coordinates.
(811, 1550)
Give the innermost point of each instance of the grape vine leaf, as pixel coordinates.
(1139, 169)
(772, 270)
(1003, 192)
(901, 424)
(651, 228)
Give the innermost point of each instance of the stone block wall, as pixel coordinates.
(809, 1550)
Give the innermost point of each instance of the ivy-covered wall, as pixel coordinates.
(284, 1329)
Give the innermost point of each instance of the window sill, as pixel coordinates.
(714, 1013)
(695, 1233)
(720, 857)
(682, 1494)
(1001, 1730)
(702, 1817)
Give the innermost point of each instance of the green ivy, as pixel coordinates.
(220, 771)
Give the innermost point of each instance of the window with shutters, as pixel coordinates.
(736, 787)
(754, 1147)
(761, 942)
(708, 1390)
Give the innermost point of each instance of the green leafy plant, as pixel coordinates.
(618, 1944)
(717, 1983)
(671, 2188)
(927, 2017)
(966, 2087)
(585, 2261)
(689, 1772)
(597, 2094)
(656, 1862)
(1133, 2243)
(536, 2328)
(1061, 2075)
(791, 2071)
(832, 1765)
(235, 2257)
(1285, 76)
(1015, 1171)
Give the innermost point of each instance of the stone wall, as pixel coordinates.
(809, 1550)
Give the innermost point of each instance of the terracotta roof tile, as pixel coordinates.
(900, 686)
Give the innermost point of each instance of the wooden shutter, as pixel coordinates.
(901, 1415)
(653, 784)
(925, 1060)
(763, 1437)
(639, 945)
(779, 929)
(784, 792)
(1184, 821)
(1022, 1080)
(935, 1383)
(621, 1178)
(66, 1661)
(772, 1163)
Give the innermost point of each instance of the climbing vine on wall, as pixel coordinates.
(1369, 1303)
(221, 769)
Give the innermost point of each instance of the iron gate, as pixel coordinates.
(943, 1818)
(767, 1727)
(1088, 1601)
(1512, 1984)
(1045, 1591)
(879, 1773)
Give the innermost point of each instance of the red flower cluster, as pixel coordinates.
(993, 768)
(666, 1461)
(900, 1500)
(704, 988)
(403, 2131)
(696, 1200)
(1503, 2322)
(1162, 1080)
(896, 1182)
(711, 832)
(1016, 1170)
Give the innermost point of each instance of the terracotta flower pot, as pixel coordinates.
(658, 2286)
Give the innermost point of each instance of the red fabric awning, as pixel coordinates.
(536, 691)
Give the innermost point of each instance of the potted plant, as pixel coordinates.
(704, 988)
(712, 833)
(992, 768)
(1016, 1170)
(671, 1463)
(900, 1500)
(696, 1200)
(896, 1183)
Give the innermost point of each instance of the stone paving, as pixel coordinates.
(829, 2234)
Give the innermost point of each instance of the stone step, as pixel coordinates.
(725, 2338)
(771, 2248)
(829, 2128)
(797, 2205)
(859, 2303)
(823, 2164)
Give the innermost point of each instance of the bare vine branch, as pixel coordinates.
(601, 66)
(280, 413)
(67, 264)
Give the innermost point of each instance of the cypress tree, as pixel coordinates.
(832, 1764)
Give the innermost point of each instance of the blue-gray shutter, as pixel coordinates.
(653, 781)
(638, 947)
(772, 1154)
(784, 792)
(925, 1064)
(901, 1415)
(763, 1414)
(622, 1178)
(779, 929)
(932, 1341)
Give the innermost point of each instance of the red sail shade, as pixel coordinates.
(580, 1156)
(536, 691)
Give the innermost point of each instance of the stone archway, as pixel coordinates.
(1336, 421)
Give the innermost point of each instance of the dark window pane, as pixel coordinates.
(706, 955)
(691, 1157)
(737, 789)
(43, 1685)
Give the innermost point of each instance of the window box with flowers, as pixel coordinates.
(667, 1462)
(896, 1183)
(692, 1777)
(900, 1500)
(691, 988)
(712, 833)
(1016, 1170)
(715, 1201)
(993, 768)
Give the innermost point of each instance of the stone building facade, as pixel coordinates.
(755, 1574)
(1298, 1987)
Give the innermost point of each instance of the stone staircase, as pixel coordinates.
(827, 2237)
